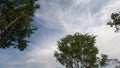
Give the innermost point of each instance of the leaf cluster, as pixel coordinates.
(78, 51)
(115, 21)
(17, 15)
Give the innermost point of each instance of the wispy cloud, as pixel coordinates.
(73, 16)
(57, 18)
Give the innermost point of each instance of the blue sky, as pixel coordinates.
(57, 18)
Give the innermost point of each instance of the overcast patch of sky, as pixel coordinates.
(57, 18)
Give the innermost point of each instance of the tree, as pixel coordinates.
(104, 59)
(15, 22)
(78, 51)
(115, 21)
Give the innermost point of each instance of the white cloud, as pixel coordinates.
(72, 18)
(107, 40)
(43, 56)
(112, 6)
(84, 2)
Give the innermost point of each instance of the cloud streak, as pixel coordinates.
(68, 17)
(57, 18)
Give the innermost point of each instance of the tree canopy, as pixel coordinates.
(15, 22)
(115, 21)
(78, 51)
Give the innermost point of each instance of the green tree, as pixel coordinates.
(115, 21)
(103, 60)
(78, 51)
(15, 22)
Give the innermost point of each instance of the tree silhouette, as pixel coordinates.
(115, 21)
(15, 22)
(78, 51)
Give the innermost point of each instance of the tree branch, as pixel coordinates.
(1, 9)
(5, 37)
(14, 21)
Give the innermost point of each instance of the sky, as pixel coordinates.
(56, 19)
